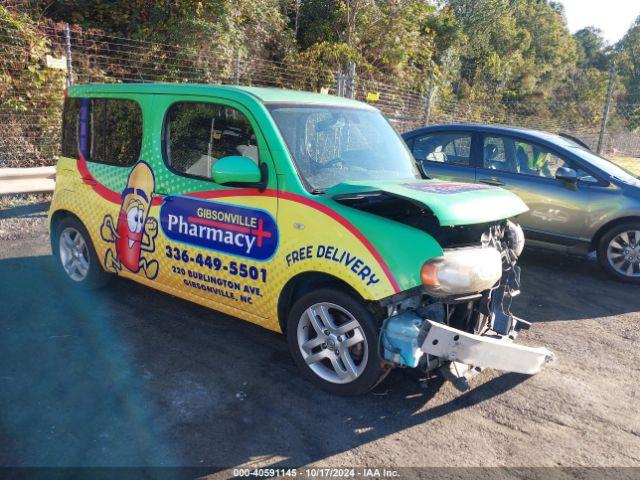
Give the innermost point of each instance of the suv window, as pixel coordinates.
(106, 130)
(197, 134)
(454, 148)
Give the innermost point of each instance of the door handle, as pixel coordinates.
(496, 182)
(89, 181)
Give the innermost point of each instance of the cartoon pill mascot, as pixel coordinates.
(135, 232)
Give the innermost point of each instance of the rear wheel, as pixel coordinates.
(76, 256)
(333, 339)
(619, 252)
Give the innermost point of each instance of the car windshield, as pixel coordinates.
(331, 145)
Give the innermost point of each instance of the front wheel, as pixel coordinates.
(619, 252)
(333, 339)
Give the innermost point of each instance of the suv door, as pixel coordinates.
(558, 212)
(445, 155)
(215, 240)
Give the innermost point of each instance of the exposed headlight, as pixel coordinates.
(460, 271)
(515, 237)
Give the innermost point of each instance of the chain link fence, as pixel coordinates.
(35, 67)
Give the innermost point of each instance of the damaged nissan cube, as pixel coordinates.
(300, 212)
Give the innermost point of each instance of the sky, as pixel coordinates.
(613, 17)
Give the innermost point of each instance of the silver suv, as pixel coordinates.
(579, 202)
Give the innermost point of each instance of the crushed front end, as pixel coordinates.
(460, 319)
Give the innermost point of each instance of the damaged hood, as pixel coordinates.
(452, 203)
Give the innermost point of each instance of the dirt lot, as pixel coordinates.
(128, 376)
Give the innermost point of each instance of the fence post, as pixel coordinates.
(67, 51)
(427, 107)
(350, 87)
(340, 83)
(607, 107)
(236, 73)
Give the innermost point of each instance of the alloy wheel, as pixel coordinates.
(623, 253)
(74, 254)
(332, 343)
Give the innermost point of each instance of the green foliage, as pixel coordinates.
(26, 85)
(217, 26)
(628, 60)
(494, 60)
(592, 49)
(512, 50)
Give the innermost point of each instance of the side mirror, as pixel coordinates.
(236, 169)
(568, 175)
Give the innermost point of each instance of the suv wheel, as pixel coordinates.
(619, 252)
(334, 340)
(76, 256)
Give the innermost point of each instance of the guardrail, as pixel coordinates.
(27, 180)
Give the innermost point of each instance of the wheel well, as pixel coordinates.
(304, 283)
(608, 226)
(56, 218)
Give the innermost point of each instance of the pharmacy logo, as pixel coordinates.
(240, 231)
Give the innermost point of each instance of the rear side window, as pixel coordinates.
(104, 130)
(198, 134)
(454, 148)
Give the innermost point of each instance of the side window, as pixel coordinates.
(198, 134)
(116, 131)
(105, 130)
(518, 156)
(453, 148)
(495, 157)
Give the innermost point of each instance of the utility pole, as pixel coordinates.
(297, 21)
(67, 50)
(607, 108)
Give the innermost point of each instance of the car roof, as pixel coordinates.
(266, 95)
(489, 128)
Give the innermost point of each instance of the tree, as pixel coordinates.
(220, 26)
(628, 61)
(385, 37)
(592, 48)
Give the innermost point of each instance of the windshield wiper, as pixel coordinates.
(317, 191)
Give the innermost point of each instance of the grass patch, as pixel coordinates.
(629, 163)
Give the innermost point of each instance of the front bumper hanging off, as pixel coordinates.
(410, 340)
(423, 338)
(483, 351)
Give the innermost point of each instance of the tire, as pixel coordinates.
(352, 332)
(86, 271)
(619, 252)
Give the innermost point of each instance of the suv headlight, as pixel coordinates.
(460, 271)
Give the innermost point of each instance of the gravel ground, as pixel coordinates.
(130, 376)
